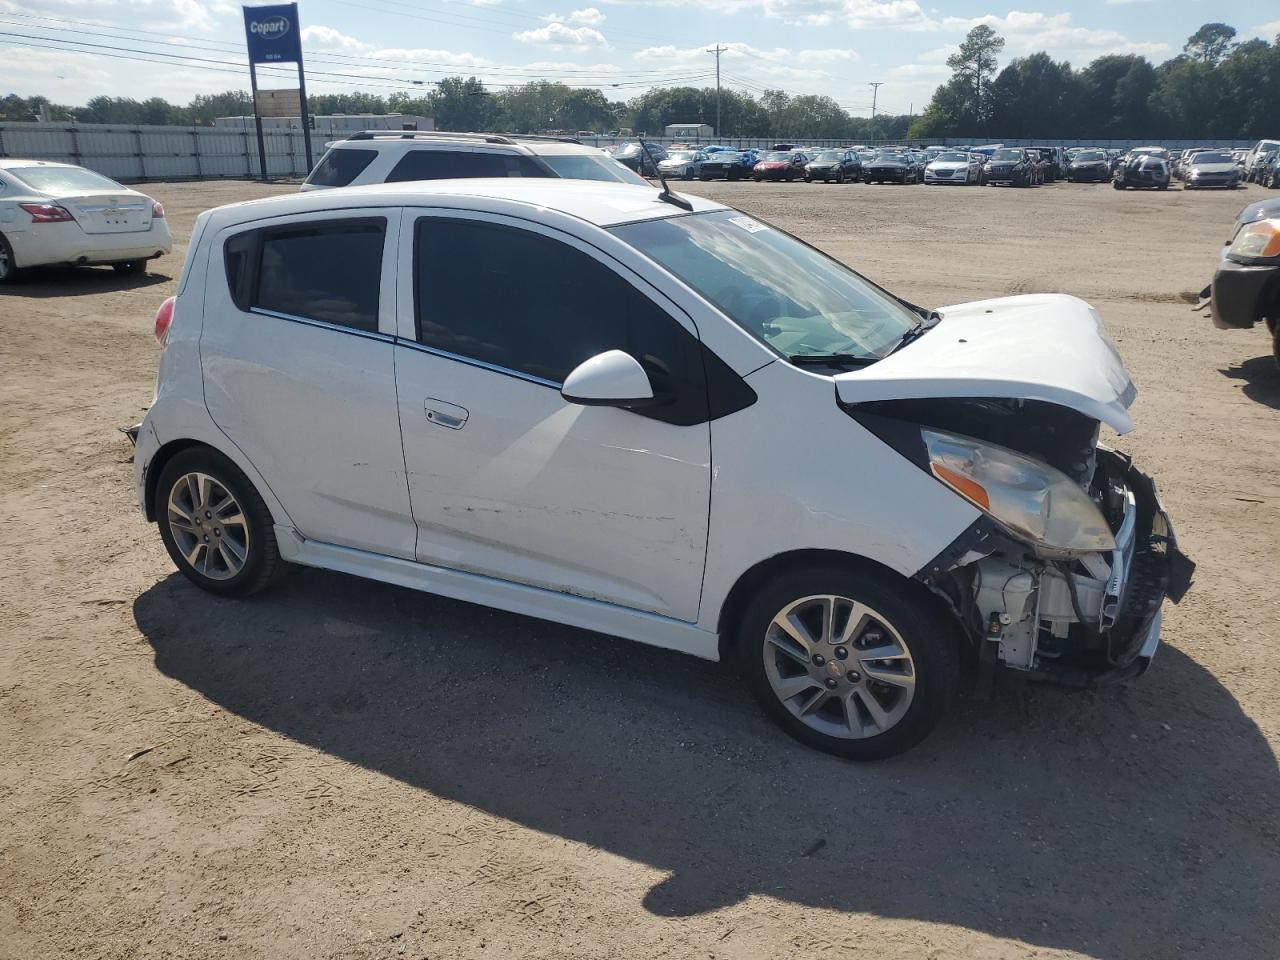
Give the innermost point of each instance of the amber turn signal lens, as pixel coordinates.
(969, 489)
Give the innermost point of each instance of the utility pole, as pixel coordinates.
(875, 90)
(717, 50)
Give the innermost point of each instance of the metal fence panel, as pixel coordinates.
(127, 152)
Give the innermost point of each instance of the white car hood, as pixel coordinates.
(1048, 347)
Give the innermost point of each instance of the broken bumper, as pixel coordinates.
(1157, 571)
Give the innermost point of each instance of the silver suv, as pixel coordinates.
(383, 156)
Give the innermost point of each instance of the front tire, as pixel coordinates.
(847, 662)
(216, 527)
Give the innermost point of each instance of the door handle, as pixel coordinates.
(445, 414)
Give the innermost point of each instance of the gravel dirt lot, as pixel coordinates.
(341, 769)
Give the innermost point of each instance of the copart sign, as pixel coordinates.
(272, 33)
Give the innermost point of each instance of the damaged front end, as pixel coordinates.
(1064, 574)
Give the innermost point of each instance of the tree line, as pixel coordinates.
(542, 106)
(1217, 88)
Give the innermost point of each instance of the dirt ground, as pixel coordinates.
(341, 769)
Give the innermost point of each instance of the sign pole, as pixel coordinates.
(257, 122)
(306, 114)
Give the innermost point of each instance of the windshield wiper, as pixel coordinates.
(917, 330)
(831, 359)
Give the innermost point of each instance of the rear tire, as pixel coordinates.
(10, 272)
(862, 708)
(216, 527)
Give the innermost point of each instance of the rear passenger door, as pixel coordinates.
(298, 359)
(507, 478)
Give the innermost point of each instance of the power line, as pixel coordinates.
(234, 66)
(317, 56)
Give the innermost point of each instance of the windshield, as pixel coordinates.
(587, 167)
(777, 155)
(680, 155)
(1210, 157)
(785, 294)
(891, 157)
(1014, 155)
(63, 179)
(830, 156)
(1090, 156)
(951, 158)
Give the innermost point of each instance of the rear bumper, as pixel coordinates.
(1240, 294)
(54, 243)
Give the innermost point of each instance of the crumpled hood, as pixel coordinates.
(1048, 347)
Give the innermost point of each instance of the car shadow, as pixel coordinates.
(45, 282)
(1126, 822)
(1261, 379)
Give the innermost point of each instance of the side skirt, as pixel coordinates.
(564, 608)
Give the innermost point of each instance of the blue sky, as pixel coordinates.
(835, 47)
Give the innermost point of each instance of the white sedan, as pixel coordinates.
(54, 213)
(954, 167)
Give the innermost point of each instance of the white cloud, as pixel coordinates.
(175, 15)
(921, 71)
(1029, 32)
(558, 36)
(589, 16)
(329, 37)
(857, 14)
(1123, 3)
(1268, 31)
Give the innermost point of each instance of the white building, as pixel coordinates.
(690, 131)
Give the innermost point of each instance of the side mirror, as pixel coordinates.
(610, 379)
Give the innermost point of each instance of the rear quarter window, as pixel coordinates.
(340, 166)
(329, 270)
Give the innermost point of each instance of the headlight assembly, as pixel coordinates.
(1259, 240)
(1028, 497)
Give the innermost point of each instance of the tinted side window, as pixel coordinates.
(328, 271)
(340, 166)
(525, 302)
(458, 164)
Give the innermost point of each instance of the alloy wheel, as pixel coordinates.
(208, 525)
(839, 667)
(5, 263)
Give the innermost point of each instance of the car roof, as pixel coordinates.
(593, 201)
(394, 141)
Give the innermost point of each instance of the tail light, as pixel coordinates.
(47, 212)
(157, 210)
(164, 316)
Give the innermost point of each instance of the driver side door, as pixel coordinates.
(509, 480)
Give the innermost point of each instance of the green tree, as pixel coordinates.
(1031, 90)
(459, 104)
(974, 64)
(1211, 43)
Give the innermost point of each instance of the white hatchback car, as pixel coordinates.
(665, 421)
(58, 213)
